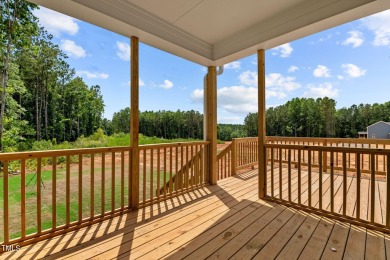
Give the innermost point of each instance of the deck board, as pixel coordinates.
(229, 221)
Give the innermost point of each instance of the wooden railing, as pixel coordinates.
(53, 192)
(380, 160)
(225, 162)
(342, 193)
(246, 150)
(168, 170)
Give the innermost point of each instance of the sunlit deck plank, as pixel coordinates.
(375, 245)
(355, 248)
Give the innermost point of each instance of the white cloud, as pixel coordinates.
(278, 85)
(328, 37)
(283, 51)
(233, 65)
(234, 99)
(92, 75)
(56, 23)
(379, 24)
(197, 95)
(238, 99)
(123, 51)
(166, 85)
(355, 39)
(248, 78)
(322, 90)
(293, 69)
(340, 77)
(243, 99)
(321, 72)
(72, 49)
(141, 83)
(353, 71)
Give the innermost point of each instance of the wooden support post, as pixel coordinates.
(234, 156)
(211, 122)
(261, 122)
(134, 124)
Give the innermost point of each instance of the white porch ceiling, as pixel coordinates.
(215, 32)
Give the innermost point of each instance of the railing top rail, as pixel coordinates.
(64, 152)
(245, 139)
(69, 152)
(331, 149)
(329, 140)
(150, 146)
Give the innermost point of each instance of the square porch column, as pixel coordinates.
(134, 125)
(210, 121)
(261, 123)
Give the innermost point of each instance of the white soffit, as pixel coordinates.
(215, 32)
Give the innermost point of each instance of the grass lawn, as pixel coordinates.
(47, 207)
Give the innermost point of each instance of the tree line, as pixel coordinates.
(308, 117)
(169, 125)
(40, 97)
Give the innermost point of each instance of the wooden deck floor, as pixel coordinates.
(216, 222)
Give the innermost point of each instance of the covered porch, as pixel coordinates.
(302, 198)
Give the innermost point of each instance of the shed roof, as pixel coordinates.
(379, 122)
(215, 32)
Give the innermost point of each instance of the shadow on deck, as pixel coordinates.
(223, 221)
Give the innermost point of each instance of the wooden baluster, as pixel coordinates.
(289, 175)
(376, 160)
(165, 172)
(80, 217)
(344, 183)
(122, 180)
(130, 179)
(182, 169)
(177, 170)
(144, 177)
(388, 191)
(202, 163)
(225, 164)
(67, 206)
(309, 175)
(299, 178)
(23, 197)
(320, 178)
(280, 175)
(92, 203)
(187, 172)
(358, 184)
(103, 202)
(112, 181)
(332, 182)
(229, 163)
(170, 171)
(272, 172)
(373, 182)
(151, 175)
(158, 173)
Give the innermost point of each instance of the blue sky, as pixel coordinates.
(349, 63)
